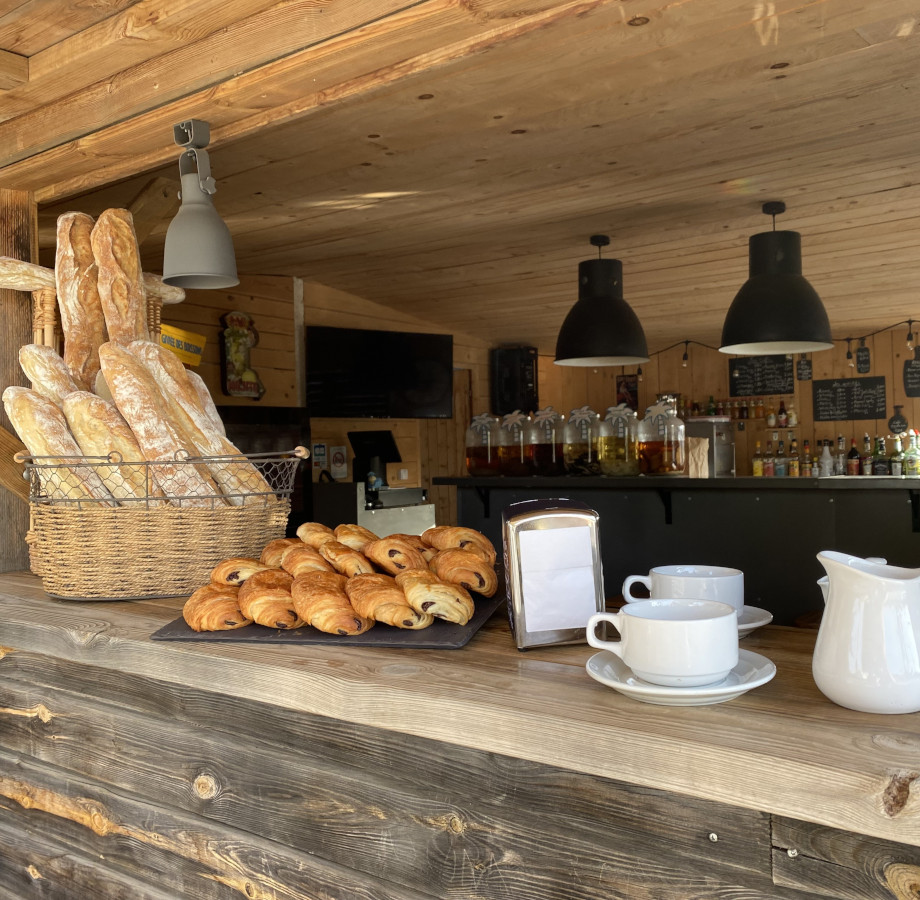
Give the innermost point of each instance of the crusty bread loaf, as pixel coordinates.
(140, 401)
(206, 400)
(238, 479)
(42, 427)
(82, 320)
(100, 429)
(47, 371)
(120, 279)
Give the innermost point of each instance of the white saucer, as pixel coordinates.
(750, 618)
(752, 671)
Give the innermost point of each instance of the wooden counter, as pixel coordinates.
(143, 769)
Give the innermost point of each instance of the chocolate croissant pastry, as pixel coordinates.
(214, 607)
(465, 568)
(415, 540)
(355, 536)
(314, 533)
(321, 601)
(345, 560)
(273, 550)
(426, 593)
(236, 570)
(455, 537)
(303, 559)
(380, 598)
(266, 598)
(394, 556)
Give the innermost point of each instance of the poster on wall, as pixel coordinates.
(628, 391)
(238, 337)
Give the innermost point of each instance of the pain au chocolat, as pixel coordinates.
(467, 569)
(380, 598)
(456, 537)
(265, 597)
(214, 607)
(426, 593)
(321, 601)
(394, 555)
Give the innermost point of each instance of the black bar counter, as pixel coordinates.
(771, 528)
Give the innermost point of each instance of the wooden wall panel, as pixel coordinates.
(18, 239)
(269, 300)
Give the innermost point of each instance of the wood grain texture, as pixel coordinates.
(256, 797)
(18, 238)
(764, 751)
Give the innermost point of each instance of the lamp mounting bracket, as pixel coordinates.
(774, 207)
(599, 240)
(192, 133)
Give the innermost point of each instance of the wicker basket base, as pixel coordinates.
(134, 554)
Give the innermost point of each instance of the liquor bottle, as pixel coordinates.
(880, 463)
(794, 466)
(758, 408)
(768, 463)
(865, 461)
(711, 406)
(757, 461)
(853, 459)
(782, 417)
(826, 463)
(779, 464)
(896, 460)
(912, 456)
(807, 467)
(840, 457)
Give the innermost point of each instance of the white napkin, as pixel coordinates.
(558, 578)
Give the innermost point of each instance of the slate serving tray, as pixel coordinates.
(438, 636)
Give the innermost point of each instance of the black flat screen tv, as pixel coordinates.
(355, 373)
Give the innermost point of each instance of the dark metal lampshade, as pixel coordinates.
(601, 329)
(776, 310)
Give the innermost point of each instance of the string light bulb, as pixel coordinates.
(686, 356)
(910, 334)
(850, 362)
(639, 373)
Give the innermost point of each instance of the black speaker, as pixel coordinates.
(514, 379)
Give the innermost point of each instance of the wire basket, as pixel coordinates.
(103, 529)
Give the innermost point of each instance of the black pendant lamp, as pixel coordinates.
(776, 310)
(601, 329)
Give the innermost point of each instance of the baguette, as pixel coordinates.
(48, 373)
(140, 401)
(42, 427)
(82, 320)
(238, 479)
(206, 400)
(120, 279)
(99, 429)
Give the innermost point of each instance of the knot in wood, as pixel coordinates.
(897, 792)
(903, 880)
(34, 874)
(206, 787)
(455, 824)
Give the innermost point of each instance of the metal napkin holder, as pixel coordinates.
(537, 616)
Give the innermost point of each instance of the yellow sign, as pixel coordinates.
(187, 345)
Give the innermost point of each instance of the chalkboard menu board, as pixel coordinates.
(863, 360)
(912, 377)
(755, 376)
(803, 369)
(849, 398)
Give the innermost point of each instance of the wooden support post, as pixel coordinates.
(19, 239)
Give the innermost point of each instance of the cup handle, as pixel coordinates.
(635, 579)
(595, 641)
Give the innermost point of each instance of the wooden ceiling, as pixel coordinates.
(451, 158)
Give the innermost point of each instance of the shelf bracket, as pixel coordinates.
(665, 496)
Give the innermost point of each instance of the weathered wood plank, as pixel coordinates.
(843, 865)
(467, 835)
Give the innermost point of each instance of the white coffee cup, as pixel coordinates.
(696, 582)
(673, 641)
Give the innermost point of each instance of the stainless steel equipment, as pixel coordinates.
(718, 430)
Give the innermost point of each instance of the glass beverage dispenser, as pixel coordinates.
(482, 445)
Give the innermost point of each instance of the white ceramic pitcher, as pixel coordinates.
(867, 656)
